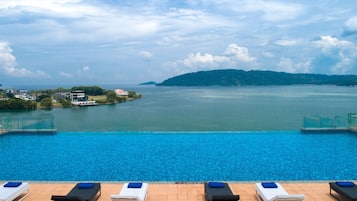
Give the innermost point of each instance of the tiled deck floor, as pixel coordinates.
(180, 192)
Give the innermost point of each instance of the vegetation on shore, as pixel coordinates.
(17, 104)
(47, 98)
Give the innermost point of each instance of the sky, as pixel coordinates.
(94, 42)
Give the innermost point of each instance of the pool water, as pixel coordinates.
(178, 156)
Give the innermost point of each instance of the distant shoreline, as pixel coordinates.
(233, 77)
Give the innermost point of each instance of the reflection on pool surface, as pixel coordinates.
(178, 156)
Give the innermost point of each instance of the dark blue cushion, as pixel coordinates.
(215, 184)
(135, 185)
(269, 185)
(345, 184)
(85, 185)
(12, 184)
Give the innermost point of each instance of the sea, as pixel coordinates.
(189, 134)
(248, 108)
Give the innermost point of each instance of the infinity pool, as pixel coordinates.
(178, 156)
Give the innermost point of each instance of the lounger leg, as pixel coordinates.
(257, 195)
(98, 194)
(25, 195)
(334, 194)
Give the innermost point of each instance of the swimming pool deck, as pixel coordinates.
(317, 191)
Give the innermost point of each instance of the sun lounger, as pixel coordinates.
(216, 191)
(270, 191)
(81, 192)
(346, 190)
(132, 191)
(12, 190)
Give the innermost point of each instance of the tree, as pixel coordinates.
(90, 90)
(17, 104)
(41, 97)
(47, 102)
(133, 94)
(65, 102)
(111, 96)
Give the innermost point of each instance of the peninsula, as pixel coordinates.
(231, 77)
(22, 99)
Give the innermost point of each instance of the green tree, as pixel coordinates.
(47, 102)
(41, 97)
(133, 94)
(121, 99)
(65, 102)
(17, 104)
(111, 96)
(90, 90)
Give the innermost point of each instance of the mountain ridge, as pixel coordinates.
(233, 77)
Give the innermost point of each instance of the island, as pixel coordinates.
(148, 83)
(232, 77)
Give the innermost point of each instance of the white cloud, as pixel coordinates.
(241, 53)
(232, 54)
(85, 69)
(287, 42)
(145, 54)
(8, 64)
(286, 65)
(66, 75)
(343, 66)
(326, 43)
(274, 10)
(268, 54)
(350, 26)
(65, 20)
(187, 14)
(269, 10)
(192, 63)
(342, 50)
(55, 8)
(231, 58)
(206, 59)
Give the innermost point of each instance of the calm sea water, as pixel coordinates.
(178, 156)
(208, 109)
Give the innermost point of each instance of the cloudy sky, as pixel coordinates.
(134, 41)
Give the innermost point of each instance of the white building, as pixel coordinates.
(79, 98)
(78, 95)
(121, 92)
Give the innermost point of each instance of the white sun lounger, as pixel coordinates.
(15, 190)
(131, 194)
(275, 194)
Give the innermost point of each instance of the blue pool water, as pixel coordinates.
(178, 156)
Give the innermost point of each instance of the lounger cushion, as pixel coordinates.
(131, 194)
(269, 185)
(216, 184)
(85, 185)
(12, 184)
(135, 185)
(225, 197)
(289, 197)
(345, 184)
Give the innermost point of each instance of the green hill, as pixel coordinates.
(232, 77)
